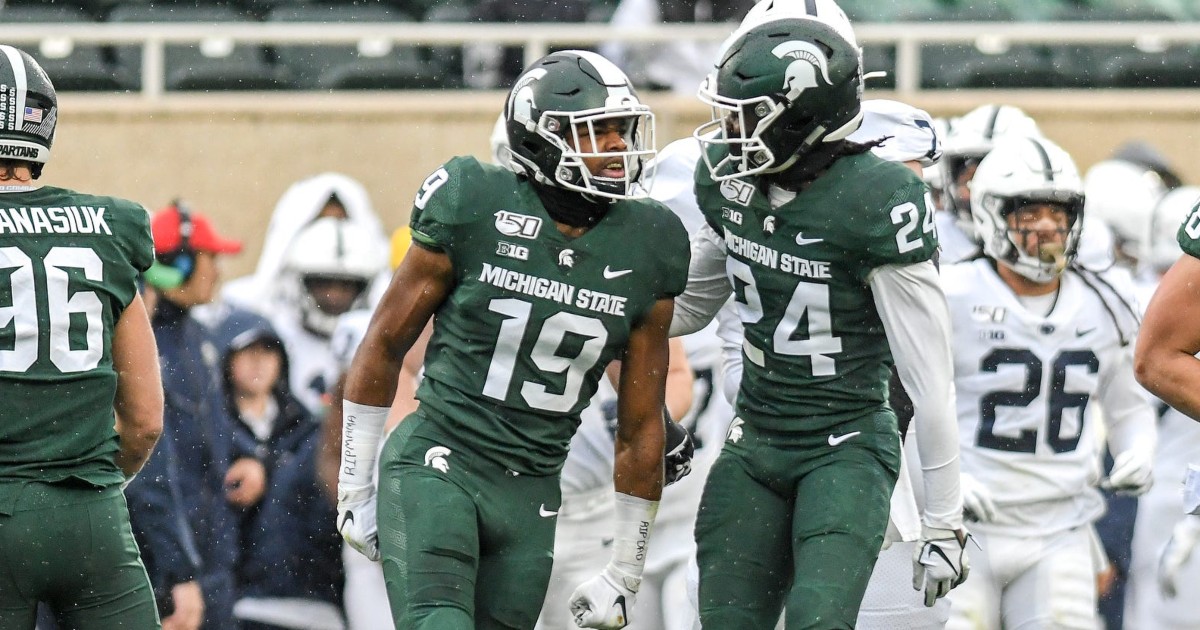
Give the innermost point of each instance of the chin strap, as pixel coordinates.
(569, 207)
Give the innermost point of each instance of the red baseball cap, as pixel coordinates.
(168, 231)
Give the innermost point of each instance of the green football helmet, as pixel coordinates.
(28, 109)
(559, 105)
(781, 88)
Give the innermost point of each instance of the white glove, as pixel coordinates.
(605, 600)
(940, 561)
(978, 504)
(356, 519)
(1132, 473)
(1176, 553)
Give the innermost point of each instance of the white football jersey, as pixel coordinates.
(1028, 387)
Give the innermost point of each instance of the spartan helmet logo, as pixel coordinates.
(521, 102)
(801, 74)
(566, 258)
(769, 225)
(436, 458)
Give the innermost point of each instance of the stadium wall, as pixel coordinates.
(233, 156)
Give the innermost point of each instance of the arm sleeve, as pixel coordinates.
(1128, 413)
(731, 332)
(917, 323)
(707, 285)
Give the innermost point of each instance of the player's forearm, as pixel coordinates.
(916, 321)
(1172, 376)
(638, 465)
(139, 398)
(136, 444)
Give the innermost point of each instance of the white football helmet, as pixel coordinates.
(968, 140)
(1162, 249)
(1016, 172)
(332, 249)
(1123, 195)
(826, 11)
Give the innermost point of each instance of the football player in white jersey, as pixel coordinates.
(306, 277)
(1164, 587)
(1037, 341)
(969, 138)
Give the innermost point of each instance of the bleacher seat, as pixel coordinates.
(71, 66)
(217, 64)
(372, 65)
(447, 61)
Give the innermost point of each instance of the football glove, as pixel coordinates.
(605, 600)
(940, 561)
(1176, 554)
(1132, 473)
(677, 458)
(356, 519)
(978, 504)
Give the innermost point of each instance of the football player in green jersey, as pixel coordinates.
(829, 253)
(1165, 359)
(78, 376)
(536, 278)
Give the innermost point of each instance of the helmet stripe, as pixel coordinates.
(810, 7)
(990, 129)
(17, 63)
(610, 74)
(1046, 166)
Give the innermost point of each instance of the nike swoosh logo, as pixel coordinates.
(1084, 333)
(544, 513)
(348, 520)
(609, 274)
(800, 240)
(834, 441)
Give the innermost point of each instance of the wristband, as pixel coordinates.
(1191, 490)
(362, 427)
(634, 518)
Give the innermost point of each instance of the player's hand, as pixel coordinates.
(356, 519)
(940, 561)
(978, 504)
(1132, 473)
(605, 600)
(1176, 554)
(677, 460)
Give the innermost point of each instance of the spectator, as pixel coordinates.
(185, 276)
(289, 575)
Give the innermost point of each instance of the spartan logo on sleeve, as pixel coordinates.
(436, 458)
(802, 72)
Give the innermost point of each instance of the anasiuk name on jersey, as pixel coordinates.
(66, 220)
(553, 290)
(772, 258)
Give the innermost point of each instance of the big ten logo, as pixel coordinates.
(512, 250)
(729, 214)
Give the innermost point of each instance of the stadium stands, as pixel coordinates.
(218, 64)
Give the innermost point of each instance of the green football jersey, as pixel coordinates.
(1189, 232)
(520, 344)
(69, 264)
(815, 351)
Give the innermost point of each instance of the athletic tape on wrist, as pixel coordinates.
(634, 518)
(362, 428)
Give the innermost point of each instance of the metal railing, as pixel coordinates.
(536, 38)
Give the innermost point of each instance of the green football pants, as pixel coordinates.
(71, 547)
(466, 544)
(795, 521)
